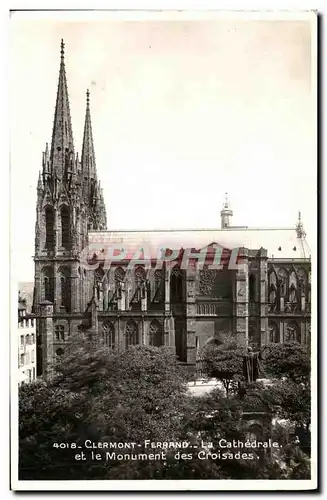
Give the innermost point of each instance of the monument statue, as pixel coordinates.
(252, 366)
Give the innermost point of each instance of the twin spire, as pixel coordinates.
(64, 174)
(88, 156)
(62, 155)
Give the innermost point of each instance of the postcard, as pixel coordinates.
(164, 251)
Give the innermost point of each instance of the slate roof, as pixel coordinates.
(281, 243)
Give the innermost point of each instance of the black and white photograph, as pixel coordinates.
(163, 219)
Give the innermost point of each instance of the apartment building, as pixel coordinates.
(26, 343)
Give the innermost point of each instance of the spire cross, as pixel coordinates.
(62, 49)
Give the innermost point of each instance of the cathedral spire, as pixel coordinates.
(88, 156)
(62, 145)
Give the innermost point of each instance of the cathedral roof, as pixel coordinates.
(280, 243)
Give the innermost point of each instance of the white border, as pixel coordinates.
(169, 485)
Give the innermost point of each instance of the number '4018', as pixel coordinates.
(64, 445)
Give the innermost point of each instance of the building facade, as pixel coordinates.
(27, 369)
(174, 288)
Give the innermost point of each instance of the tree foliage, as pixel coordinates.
(101, 396)
(141, 394)
(224, 360)
(290, 360)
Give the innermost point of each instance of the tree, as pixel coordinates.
(224, 360)
(101, 396)
(291, 360)
(133, 396)
(49, 415)
(290, 397)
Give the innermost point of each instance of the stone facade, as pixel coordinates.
(266, 299)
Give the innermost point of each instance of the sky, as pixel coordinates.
(182, 110)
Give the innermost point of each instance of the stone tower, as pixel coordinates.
(226, 213)
(69, 203)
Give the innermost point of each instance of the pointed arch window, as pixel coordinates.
(131, 333)
(272, 294)
(98, 277)
(65, 227)
(49, 228)
(119, 280)
(292, 333)
(252, 288)
(274, 336)
(139, 279)
(65, 288)
(155, 334)
(292, 294)
(158, 286)
(283, 282)
(48, 284)
(272, 289)
(59, 333)
(108, 334)
(293, 279)
(176, 285)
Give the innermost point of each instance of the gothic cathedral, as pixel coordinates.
(268, 300)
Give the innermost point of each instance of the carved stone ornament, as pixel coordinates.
(207, 281)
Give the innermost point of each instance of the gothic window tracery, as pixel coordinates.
(48, 284)
(282, 282)
(292, 332)
(99, 278)
(119, 278)
(119, 274)
(108, 334)
(49, 228)
(158, 286)
(272, 295)
(131, 333)
(65, 227)
(272, 290)
(176, 284)
(207, 281)
(139, 281)
(273, 332)
(65, 288)
(155, 334)
(60, 333)
(292, 294)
